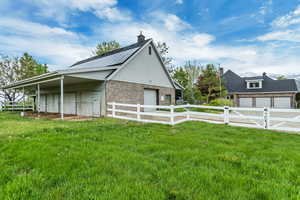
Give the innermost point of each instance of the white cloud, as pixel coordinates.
(284, 28)
(55, 44)
(288, 35)
(61, 9)
(266, 7)
(287, 20)
(173, 23)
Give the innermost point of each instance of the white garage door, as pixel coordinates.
(246, 102)
(282, 102)
(70, 103)
(150, 98)
(52, 103)
(89, 104)
(43, 103)
(263, 102)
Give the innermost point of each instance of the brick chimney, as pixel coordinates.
(141, 37)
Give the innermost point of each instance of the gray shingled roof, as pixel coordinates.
(236, 84)
(112, 58)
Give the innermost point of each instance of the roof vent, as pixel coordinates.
(141, 37)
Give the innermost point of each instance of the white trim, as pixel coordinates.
(18, 84)
(262, 121)
(35, 83)
(62, 97)
(280, 92)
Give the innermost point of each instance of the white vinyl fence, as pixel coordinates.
(265, 118)
(16, 106)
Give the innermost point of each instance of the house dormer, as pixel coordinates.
(254, 84)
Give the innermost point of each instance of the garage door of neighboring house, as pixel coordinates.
(70, 103)
(282, 102)
(89, 104)
(246, 102)
(150, 98)
(263, 102)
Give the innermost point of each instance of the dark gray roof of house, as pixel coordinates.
(115, 57)
(236, 84)
(254, 78)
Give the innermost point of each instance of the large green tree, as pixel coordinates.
(14, 69)
(187, 77)
(210, 83)
(104, 47)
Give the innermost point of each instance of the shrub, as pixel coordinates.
(221, 102)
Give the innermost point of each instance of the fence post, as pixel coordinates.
(113, 109)
(226, 115)
(188, 116)
(172, 114)
(266, 116)
(138, 110)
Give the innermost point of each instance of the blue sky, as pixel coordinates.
(242, 35)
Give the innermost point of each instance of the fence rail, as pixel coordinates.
(265, 118)
(16, 106)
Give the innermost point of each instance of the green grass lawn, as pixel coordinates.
(114, 159)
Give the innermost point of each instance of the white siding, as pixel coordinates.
(144, 69)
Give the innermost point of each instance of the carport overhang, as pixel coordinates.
(61, 78)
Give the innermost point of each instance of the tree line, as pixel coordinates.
(14, 69)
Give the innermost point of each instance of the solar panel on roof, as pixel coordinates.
(114, 59)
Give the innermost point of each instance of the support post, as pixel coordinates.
(62, 97)
(188, 115)
(23, 99)
(138, 110)
(38, 99)
(4, 100)
(113, 109)
(172, 115)
(226, 115)
(266, 116)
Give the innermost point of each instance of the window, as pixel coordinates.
(150, 50)
(254, 84)
(168, 98)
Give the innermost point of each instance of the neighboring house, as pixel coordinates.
(133, 74)
(260, 91)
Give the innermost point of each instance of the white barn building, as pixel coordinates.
(132, 74)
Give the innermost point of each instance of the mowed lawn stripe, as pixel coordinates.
(114, 159)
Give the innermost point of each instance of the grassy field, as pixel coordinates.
(113, 159)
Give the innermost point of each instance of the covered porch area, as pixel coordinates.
(64, 95)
